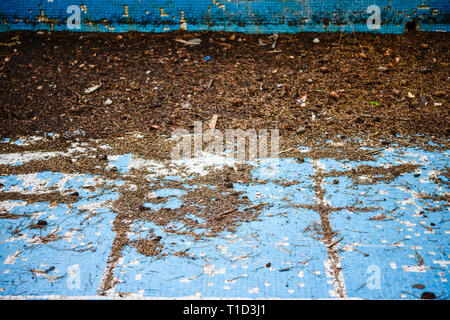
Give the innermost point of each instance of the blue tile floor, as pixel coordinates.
(388, 235)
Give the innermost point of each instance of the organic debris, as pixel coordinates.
(152, 102)
(428, 296)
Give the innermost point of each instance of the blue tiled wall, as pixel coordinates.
(254, 16)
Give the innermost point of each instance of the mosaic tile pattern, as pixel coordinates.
(279, 255)
(252, 16)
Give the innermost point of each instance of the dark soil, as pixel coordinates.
(357, 85)
(375, 174)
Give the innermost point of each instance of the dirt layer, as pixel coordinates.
(356, 85)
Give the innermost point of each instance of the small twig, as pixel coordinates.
(285, 269)
(365, 254)
(427, 227)
(197, 276)
(396, 243)
(419, 259)
(235, 278)
(365, 283)
(335, 242)
(374, 151)
(256, 205)
(220, 216)
(12, 216)
(437, 268)
(356, 231)
(284, 151)
(354, 35)
(210, 83)
(223, 214)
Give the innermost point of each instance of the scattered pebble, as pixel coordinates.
(301, 130)
(334, 95)
(428, 296)
(42, 223)
(302, 99)
(102, 157)
(325, 59)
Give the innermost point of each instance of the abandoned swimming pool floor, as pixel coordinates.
(278, 256)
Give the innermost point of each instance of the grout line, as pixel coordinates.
(324, 213)
(107, 282)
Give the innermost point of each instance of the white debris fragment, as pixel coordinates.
(13, 158)
(253, 290)
(11, 259)
(92, 89)
(191, 42)
(415, 268)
